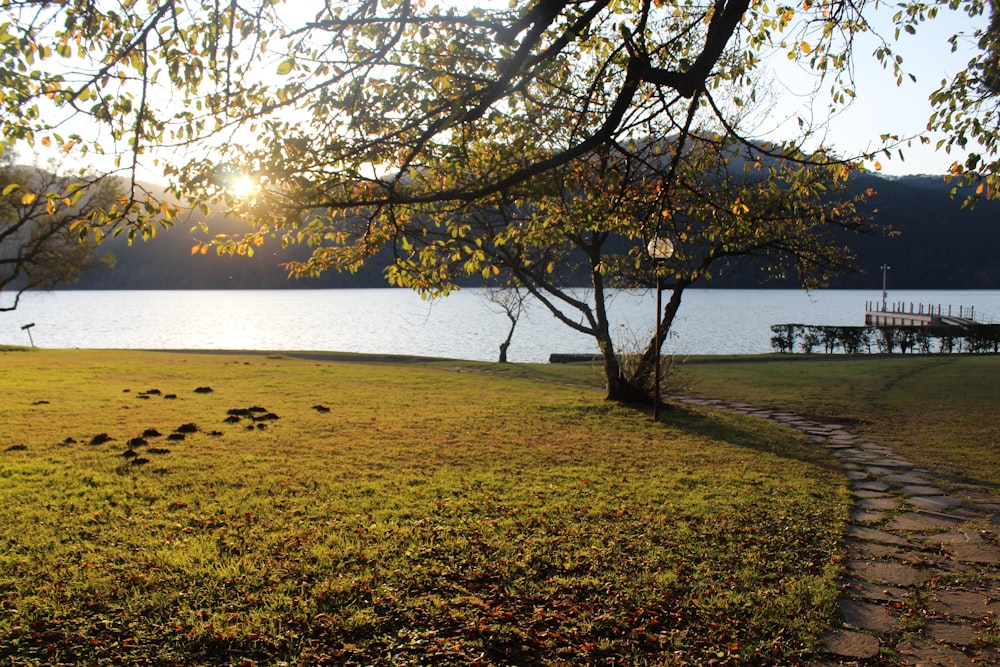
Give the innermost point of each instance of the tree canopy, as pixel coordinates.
(473, 139)
(40, 212)
(338, 105)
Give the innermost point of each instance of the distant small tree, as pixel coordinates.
(906, 336)
(982, 338)
(887, 339)
(946, 341)
(809, 341)
(42, 243)
(511, 301)
(854, 338)
(785, 336)
(830, 338)
(923, 341)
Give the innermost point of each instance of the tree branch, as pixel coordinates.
(724, 22)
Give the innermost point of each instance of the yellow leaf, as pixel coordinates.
(28, 198)
(806, 49)
(878, 166)
(286, 67)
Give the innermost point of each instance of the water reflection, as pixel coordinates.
(394, 321)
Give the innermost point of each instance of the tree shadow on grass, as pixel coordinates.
(748, 432)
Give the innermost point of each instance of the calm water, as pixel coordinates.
(395, 321)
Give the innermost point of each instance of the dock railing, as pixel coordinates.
(900, 314)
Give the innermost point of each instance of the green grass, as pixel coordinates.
(432, 516)
(940, 411)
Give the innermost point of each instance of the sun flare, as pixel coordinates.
(243, 187)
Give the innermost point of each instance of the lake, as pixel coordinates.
(396, 321)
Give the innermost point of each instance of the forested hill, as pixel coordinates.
(939, 245)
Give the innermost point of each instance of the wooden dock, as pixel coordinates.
(917, 315)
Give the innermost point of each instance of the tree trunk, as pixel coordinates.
(510, 335)
(620, 388)
(643, 375)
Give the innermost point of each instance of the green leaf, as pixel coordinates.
(13, 187)
(286, 67)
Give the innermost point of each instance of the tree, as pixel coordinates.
(589, 222)
(967, 108)
(373, 124)
(69, 73)
(40, 236)
(511, 300)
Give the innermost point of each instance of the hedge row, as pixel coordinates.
(976, 339)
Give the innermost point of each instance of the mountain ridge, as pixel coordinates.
(937, 244)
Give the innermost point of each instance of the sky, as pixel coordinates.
(882, 107)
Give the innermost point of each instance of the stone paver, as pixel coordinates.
(960, 536)
(862, 493)
(935, 503)
(921, 521)
(867, 616)
(866, 516)
(976, 553)
(865, 550)
(868, 591)
(850, 644)
(964, 604)
(884, 473)
(909, 549)
(889, 503)
(871, 486)
(950, 633)
(894, 574)
(929, 654)
(916, 480)
(922, 491)
(875, 535)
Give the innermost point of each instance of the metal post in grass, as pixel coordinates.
(27, 328)
(660, 250)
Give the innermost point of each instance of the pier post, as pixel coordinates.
(885, 269)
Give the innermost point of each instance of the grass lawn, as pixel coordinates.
(941, 411)
(394, 513)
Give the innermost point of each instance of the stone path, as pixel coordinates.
(922, 565)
